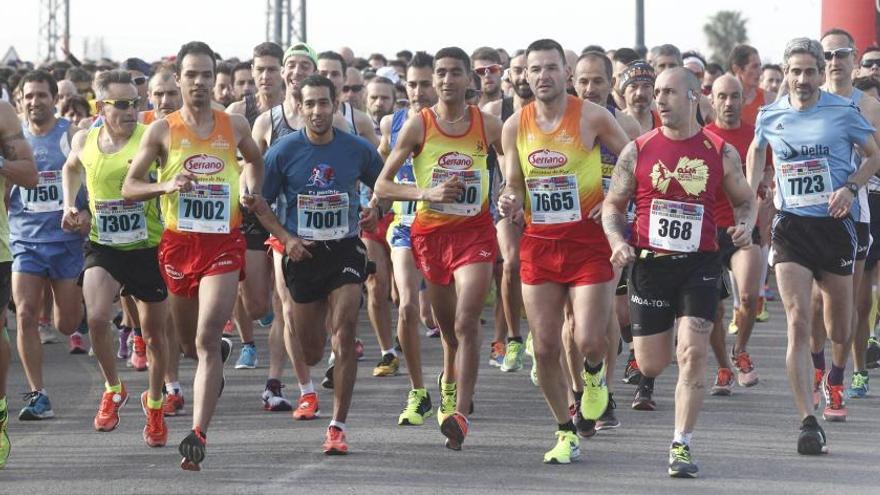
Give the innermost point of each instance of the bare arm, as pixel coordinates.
(262, 131)
(253, 159)
(756, 159)
(621, 190)
(236, 107)
(493, 133)
(385, 140)
(512, 197)
(19, 168)
(629, 125)
(741, 196)
(71, 173)
(137, 185)
(364, 126)
(608, 131)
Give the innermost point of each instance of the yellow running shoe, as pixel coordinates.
(595, 398)
(763, 315)
(418, 407)
(448, 397)
(567, 449)
(388, 366)
(5, 446)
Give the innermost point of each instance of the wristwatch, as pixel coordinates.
(853, 188)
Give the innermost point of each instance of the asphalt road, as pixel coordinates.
(744, 443)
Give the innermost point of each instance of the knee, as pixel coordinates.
(511, 264)
(207, 345)
(690, 356)
(26, 314)
(343, 343)
(408, 313)
(748, 302)
(257, 309)
(593, 340)
(547, 352)
(189, 350)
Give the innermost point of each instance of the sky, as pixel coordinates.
(151, 29)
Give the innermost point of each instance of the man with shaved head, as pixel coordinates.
(164, 97)
(744, 262)
(673, 174)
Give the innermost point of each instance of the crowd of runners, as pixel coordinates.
(610, 200)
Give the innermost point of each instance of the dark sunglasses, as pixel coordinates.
(139, 80)
(838, 53)
(354, 88)
(871, 64)
(489, 69)
(123, 104)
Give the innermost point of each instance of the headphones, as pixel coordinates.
(691, 95)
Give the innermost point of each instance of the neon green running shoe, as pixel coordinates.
(5, 446)
(567, 449)
(732, 329)
(595, 398)
(418, 407)
(448, 397)
(513, 357)
(530, 350)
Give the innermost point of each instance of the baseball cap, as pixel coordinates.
(301, 49)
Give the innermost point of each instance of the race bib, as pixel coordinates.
(873, 184)
(554, 199)
(205, 209)
(607, 171)
(469, 203)
(675, 226)
(407, 208)
(322, 218)
(805, 183)
(46, 196)
(120, 221)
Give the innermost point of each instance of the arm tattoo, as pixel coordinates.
(9, 151)
(623, 184)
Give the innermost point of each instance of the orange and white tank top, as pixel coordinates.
(443, 156)
(212, 206)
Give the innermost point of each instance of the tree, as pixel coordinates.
(725, 30)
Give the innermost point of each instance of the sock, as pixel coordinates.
(307, 388)
(113, 388)
(42, 391)
(251, 343)
(514, 339)
(568, 426)
(137, 331)
(338, 424)
(577, 395)
(647, 382)
(173, 387)
(153, 404)
(682, 437)
(592, 370)
(818, 360)
(389, 351)
(835, 376)
(862, 372)
(125, 329)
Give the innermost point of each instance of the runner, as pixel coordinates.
(121, 251)
(870, 63)
(202, 248)
(16, 166)
(164, 97)
(555, 176)
(353, 89)
(243, 83)
(487, 65)
(637, 86)
(223, 92)
(813, 135)
(450, 144)
(771, 78)
(43, 252)
(673, 174)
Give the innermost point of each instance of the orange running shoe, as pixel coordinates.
(155, 431)
(335, 443)
(746, 375)
(307, 407)
(496, 354)
(192, 448)
(107, 418)
(454, 428)
(818, 374)
(139, 353)
(173, 404)
(835, 406)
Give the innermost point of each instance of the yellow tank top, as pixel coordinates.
(563, 179)
(212, 206)
(442, 156)
(5, 253)
(116, 222)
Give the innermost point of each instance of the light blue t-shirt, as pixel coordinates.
(814, 150)
(320, 183)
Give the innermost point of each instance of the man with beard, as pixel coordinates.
(637, 86)
(487, 65)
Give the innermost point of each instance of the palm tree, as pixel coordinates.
(724, 30)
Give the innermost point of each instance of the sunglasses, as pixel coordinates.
(122, 104)
(871, 64)
(494, 69)
(354, 88)
(838, 53)
(139, 80)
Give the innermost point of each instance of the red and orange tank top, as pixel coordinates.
(212, 206)
(750, 110)
(443, 156)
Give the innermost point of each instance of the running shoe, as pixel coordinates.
(859, 387)
(397, 346)
(632, 375)
(595, 398)
(746, 375)
(448, 397)
(770, 293)
(432, 333)
(872, 354)
(732, 329)
(335, 443)
(247, 358)
(643, 400)
(47, 333)
(585, 427)
(835, 405)
(387, 366)
(155, 431)
(273, 398)
(681, 465)
(5, 445)
(567, 449)
(38, 407)
(763, 315)
(192, 448)
(811, 440)
(139, 353)
(496, 354)
(124, 350)
(225, 352)
(723, 382)
(418, 407)
(818, 375)
(307, 407)
(455, 429)
(75, 343)
(530, 351)
(608, 421)
(358, 349)
(107, 418)
(229, 329)
(327, 382)
(173, 404)
(513, 356)
(267, 320)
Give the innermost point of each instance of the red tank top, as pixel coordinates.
(676, 183)
(740, 139)
(750, 110)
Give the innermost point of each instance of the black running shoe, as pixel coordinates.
(643, 400)
(608, 421)
(327, 382)
(225, 352)
(811, 440)
(872, 354)
(631, 374)
(192, 448)
(680, 463)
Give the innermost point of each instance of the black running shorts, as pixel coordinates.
(822, 244)
(332, 265)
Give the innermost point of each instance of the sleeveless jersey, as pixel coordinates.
(148, 117)
(861, 212)
(676, 184)
(563, 178)
(750, 110)
(442, 156)
(280, 126)
(251, 109)
(740, 138)
(404, 211)
(212, 206)
(116, 222)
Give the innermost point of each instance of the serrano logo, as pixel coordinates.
(204, 164)
(455, 161)
(547, 159)
(174, 274)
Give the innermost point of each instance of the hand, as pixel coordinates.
(369, 219)
(72, 220)
(297, 249)
(596, 214)
(840, 202)
(255, 204)
(622, 254)
(740, 235)
(446, 192)
(509, 205)
(182, 182)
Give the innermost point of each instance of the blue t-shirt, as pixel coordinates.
(35, 214)
(320, 183)
(811, 147)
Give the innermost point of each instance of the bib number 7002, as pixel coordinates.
(203, 210)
